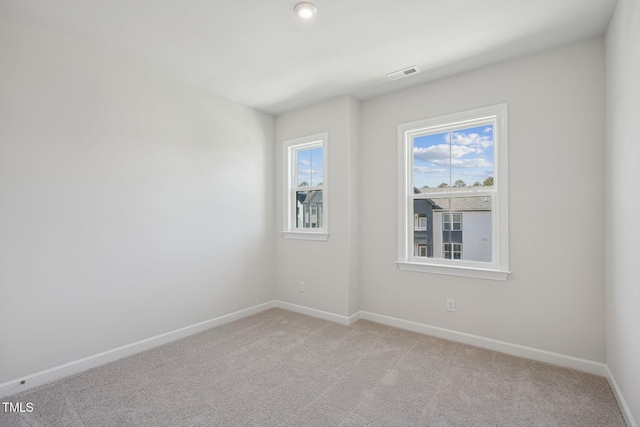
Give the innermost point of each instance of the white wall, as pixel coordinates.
(353, 201)
(130, 204)
(329, 269)
(554, 298)
(622, 206)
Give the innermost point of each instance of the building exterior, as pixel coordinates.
(309, 209)
(453, 228)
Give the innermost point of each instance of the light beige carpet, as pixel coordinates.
(279, 368)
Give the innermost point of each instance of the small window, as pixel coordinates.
(449, 219)
(305, 210)
(452, 194)
(420, 222)
(453, 250)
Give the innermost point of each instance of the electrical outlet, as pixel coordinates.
(301, 286)
(451, 304)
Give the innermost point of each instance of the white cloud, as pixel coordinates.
(478, 174)
(441, 152)
(307, 172)
(476, 162)
(472, 139)
(467, 150)
(430, 172)
(304, 162)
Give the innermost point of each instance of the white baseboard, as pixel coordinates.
(320, 314)
(584, 365)
(622, 403)
(355, 317)
(52, 374)
(596, 368)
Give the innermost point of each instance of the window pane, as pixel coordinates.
(431, 171)
(422, 233)
(316, 166)
(309, 209)
(460, 228)
(472, 163)
(309, 167)
(456, 160)
(303, 168)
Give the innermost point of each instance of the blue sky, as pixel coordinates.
(309, 166)
(468, 156)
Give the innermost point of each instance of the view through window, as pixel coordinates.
(452, 201)
(308, 191)
(449, 168)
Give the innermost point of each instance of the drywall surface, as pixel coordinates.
(130, 204)
(354, 206)
(554, 297)
(328, 268)
(622, 207)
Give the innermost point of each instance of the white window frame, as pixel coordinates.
(290, 147)
(498, 268)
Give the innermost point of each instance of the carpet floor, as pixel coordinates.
(279, 368)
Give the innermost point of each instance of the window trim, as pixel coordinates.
(289, 230)
(498, 269)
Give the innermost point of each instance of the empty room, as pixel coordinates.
(336, 213)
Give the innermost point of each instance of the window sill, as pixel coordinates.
(450, 270)
(306, 235)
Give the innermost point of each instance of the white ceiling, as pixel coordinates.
(257, 52)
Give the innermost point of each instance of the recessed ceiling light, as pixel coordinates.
(305, 10)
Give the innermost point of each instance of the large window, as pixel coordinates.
(305, 211)
(452, 185)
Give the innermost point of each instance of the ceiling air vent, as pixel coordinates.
(403, 73)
